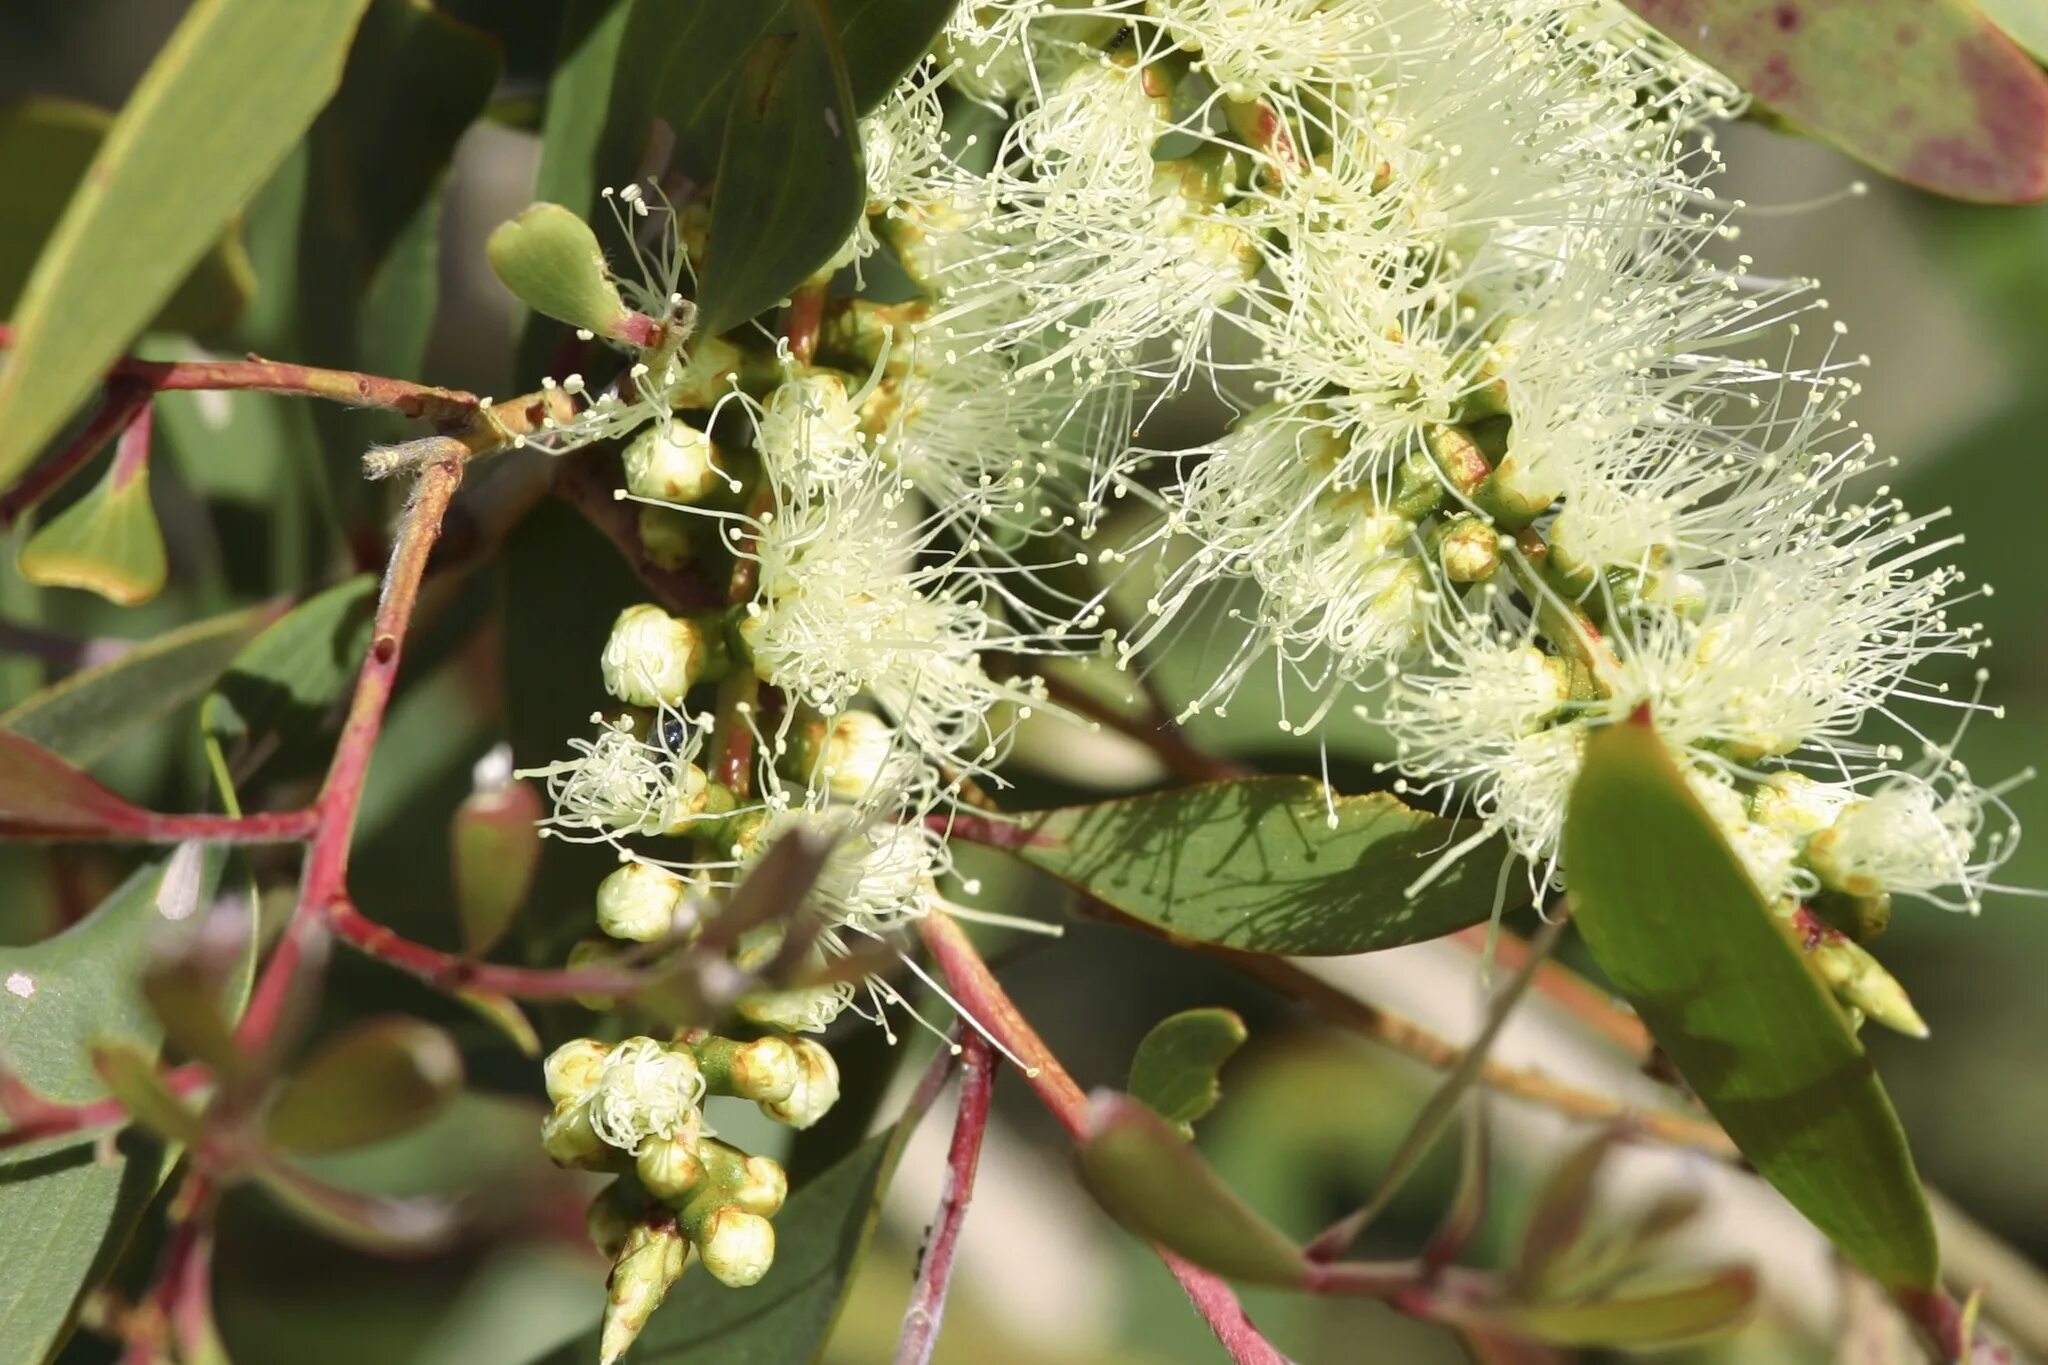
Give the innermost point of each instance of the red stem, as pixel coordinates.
(323, 885)
(33, 1118)
(125, 403)
(452, 973)
(984, 998)
(1155, 730)
(935, 1276)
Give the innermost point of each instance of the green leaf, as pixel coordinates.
(107, 542)
(1174, 1069)
(233, 89)
(1558, 1221)
(1156, 1185)
(550, 260)
(1678, 927)
(381, 1078)
(87, 716)
(496, 854)
(1663, 1315)
(790, 183)
(1927, 91)
(55, 998)
(45, 145)
(1255, 865)
(2023, 21)
(820, 1236)
(287, 680)
(129, 1070)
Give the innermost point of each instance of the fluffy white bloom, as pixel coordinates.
(645, 1090)
(620, 783)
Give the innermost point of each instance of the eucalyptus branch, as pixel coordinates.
(935, 1275)
(125, 401)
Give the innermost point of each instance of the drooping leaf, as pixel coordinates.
(379, 1226)
(820, 1237)
(1927, 91)
(1255, 865)
(89, 714)
(56, 997)
(1174, 1069)
(233, 89)
(1558, 1221)
(45, 145)
(288, 679)
(41, 793)
(1156, 1185)
(790, 181)
(107, 542)
(1650, 1315)
(382, 1078)
(1681, 931)
(496, 852)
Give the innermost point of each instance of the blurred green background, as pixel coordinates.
(1951, 303)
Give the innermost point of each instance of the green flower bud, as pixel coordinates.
(569, 1139)
(1858, 980)
(639, 901)
(816, 1090)
(765, 1069)
(690, 801)
(851, 753)
(1457, 455)
(737, 1247)
(672, 463)
(804, 1009)
(1468, 549)
(669, 1167)
(650, 1263)
(652, 658)
(571, 1070)
(763, 1187)
(758, 945)
(666, 537)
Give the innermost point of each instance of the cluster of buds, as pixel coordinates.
(634, 1109)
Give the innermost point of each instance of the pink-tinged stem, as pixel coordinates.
(1939, 1319)
(984, 998)
(154, 827)
(323, 885)
(1155, 730)
(125, 403)
(935, 1276)
(979, 829)
(451, 973)
(32, 1118)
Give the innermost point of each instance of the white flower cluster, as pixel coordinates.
(1512, 451)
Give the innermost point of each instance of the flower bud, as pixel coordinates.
(666, 537)
(572, 1069)
(810, 419)
(758, 945)
(762, 1187)
(652, 658)
(647, 1090)
(765, 1069)
(689, 799)
(816, 1089)
(1468, 549)
(1858, 979)
(669, 1167)
(672, 463)
(639, 902)
(802, 1009)
(737, 1247)
(651, 1261)
(570, 1140)
(851, 753)
(1458, 457)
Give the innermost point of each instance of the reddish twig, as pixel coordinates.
(805, 316)
(323, 885)
(935, 1276)
(156, 827)
(124, 403)
(451, 973)
(984, 998)
(31, 1118)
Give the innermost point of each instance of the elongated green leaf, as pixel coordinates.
(1156, 1185)
(496, 853)
(86, 716)
(1256, 865)
(790, 183)
(41, 792)
(1174, 1069)
(1671, 917)
(235, 87)
(820, 1236)
(1659, 1315)
(45, 146)
(56, 997)
(382, 1078)
(288, 679)
(1927, 91)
